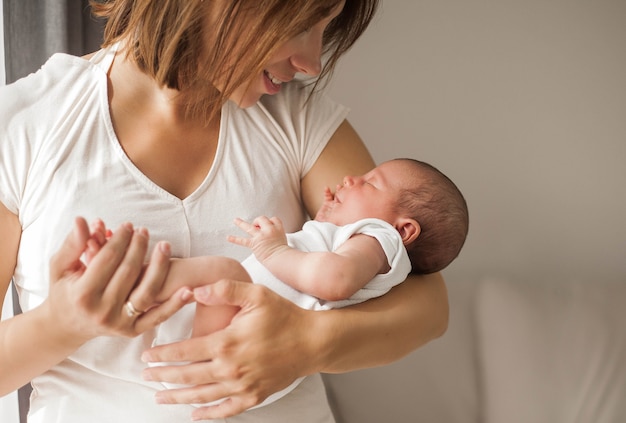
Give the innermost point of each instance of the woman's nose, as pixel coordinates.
(308, 58)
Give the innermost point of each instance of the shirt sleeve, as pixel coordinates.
(308, 117)
(15, 149)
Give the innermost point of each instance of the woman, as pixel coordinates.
(186, 118)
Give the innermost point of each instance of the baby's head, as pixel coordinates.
(440, 210)
(424, 206)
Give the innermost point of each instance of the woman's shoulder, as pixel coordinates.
(303, 109)
(297, 97)
(57, 77)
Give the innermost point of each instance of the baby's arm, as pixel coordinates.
(330, 276)
(191, 272)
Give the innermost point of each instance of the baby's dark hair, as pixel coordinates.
(436, 203)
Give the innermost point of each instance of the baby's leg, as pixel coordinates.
(192, 273)
(199, 271)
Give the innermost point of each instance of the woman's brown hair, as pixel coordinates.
(169, 39)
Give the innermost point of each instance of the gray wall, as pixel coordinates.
(523, 104)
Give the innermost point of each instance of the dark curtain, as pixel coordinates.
(36, 29)
(33, 31)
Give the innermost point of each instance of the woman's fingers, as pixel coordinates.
(143, 296)
(76, 299)
(139, 294)
(67, 258)
(227, 397)
(129, 266)
(164, 311)
(110, 295)
(227, 408)
(197, 349)
(190, 395)
(107, 263)
(220, 408)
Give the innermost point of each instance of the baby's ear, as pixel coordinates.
(409, 229)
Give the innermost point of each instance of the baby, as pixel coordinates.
(402, 217)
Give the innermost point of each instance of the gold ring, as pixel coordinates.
(131, 310)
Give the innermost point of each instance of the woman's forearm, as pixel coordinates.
(274, 341)
(84, 303)
(27, 349)
(382, 330)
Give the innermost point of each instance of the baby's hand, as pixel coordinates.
(267, 236)
(329, 196)
(329, 200)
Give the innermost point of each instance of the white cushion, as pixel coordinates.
(553, 352)
(435, 384)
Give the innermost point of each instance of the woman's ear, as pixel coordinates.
(409, 229)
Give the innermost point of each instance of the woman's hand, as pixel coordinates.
(265, 348)
(89, 301)
(85, 302)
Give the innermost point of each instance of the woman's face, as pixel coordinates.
(300, 54)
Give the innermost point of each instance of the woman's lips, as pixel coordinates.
(272, 83)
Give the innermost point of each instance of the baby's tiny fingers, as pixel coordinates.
(244, 226)
(262, 222)
(277, 222)
(244, 242)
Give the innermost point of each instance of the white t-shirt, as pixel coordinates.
(324, 236)
(60, 158)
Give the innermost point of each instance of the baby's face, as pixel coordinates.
(373, 195)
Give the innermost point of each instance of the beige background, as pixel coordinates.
(523, 104)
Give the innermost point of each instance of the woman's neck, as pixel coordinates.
(172, 149)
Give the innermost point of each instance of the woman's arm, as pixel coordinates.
(382, 330)
(11, 233)
(25, 349)
(82, 303)
(409, 316)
